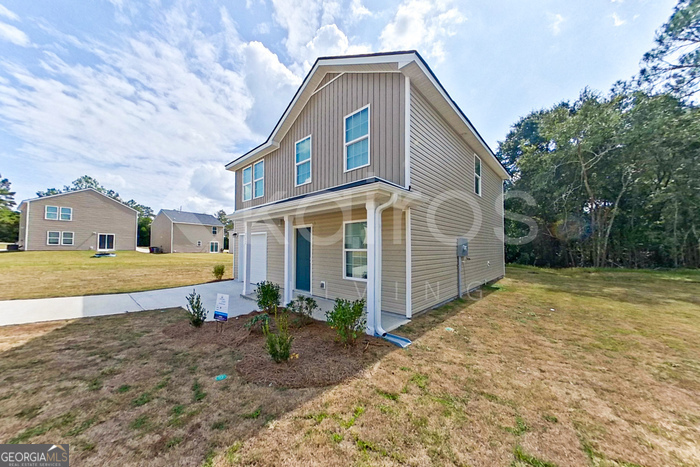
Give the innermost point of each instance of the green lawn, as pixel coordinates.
(41, 274)
(571, 367)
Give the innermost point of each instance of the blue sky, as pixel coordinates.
(153, 97)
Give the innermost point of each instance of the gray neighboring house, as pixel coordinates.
(365, 187)
(187, 232)
(77, 220)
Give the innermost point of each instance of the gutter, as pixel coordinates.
(378, 329)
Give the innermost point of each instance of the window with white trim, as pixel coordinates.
(214, 230)
(66, 214)
(53, 238)
(248, 183)
(259, 179)
(51, 213)
(477, 175)
(355, 250)
(302, 154)
(357, 139)
(67, 238)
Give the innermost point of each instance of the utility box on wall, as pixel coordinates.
(462, 247)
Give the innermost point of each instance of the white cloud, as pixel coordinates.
(617, 21)
(8, 14)
(262, 28)
(555, 25)
(148, 110)
(14, 35)
(422, 25)
(358, 10)
(301, 20)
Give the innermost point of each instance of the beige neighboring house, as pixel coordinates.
(77, 220)
(187, 232)
(372, 184)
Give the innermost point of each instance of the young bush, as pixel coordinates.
(268, 295)
(279, 343)
(257, 321)
(348, 319)
(197, 312)
(303, 307)
(219, 271)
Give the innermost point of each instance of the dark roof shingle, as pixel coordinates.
(183, 217)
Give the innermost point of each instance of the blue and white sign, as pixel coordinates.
(221, 309)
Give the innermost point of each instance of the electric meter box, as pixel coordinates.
(462, 247)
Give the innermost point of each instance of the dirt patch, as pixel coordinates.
(321, 360)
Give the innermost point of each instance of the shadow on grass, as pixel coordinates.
(118, 389)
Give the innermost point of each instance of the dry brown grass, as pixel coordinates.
(610, 377)
(43, 274)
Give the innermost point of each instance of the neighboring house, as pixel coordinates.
(364, 188)
(77, 220)
(187, 232)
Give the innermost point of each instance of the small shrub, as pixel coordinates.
(268, 295)
(253, 415)
(197, 311)
(304, 307)
(257, 321)
(348, 319)
(279, 343)
(219, 271)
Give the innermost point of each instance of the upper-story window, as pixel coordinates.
(477, 175)
(302, 150)
(248, 183)
(259, 179)
(214, 230)
(66, 214)
(357, 139)
(51, 213)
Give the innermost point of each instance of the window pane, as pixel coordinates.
(53, 238)
(357, 125)
(358, 154)
(303, 172)
(247, 173)
(66, 214)
(67, 238)
(110, 242)
(356, 236)
(247, 192)
(51, 212)
(477, 166)
(303, 151)
(477, 184)
(259, 188)
(356, 264)
(259, 170)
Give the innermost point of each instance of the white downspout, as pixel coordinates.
(378, 329)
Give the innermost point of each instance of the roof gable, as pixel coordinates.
(68, 193)
(411, 64)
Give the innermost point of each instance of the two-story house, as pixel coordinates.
(365, 187)
(174, 231)
(77, 220)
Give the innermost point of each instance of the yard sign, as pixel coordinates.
(221, 309)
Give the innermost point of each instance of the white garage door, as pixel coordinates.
(258, 255)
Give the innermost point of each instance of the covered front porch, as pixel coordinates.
(350, 243)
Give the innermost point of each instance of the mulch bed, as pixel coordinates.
(322, 361)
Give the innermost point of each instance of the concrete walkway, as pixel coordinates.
(52, 309)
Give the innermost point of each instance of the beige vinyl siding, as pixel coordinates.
(22, 225)
(327, 256)
(160, 232)
(327, 78)
(93, 213)
(442, 169)
(186, 236)
(323, 119)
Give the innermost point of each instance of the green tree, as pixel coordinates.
(674, 63)
(228, 226)
(7, 197)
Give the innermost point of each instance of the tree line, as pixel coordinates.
(614, 180)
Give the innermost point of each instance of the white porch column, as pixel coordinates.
(371, 266)
(246, 257)
(288, 245)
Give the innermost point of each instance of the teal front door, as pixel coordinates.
(303, 259)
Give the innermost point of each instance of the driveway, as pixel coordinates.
(51, 309)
